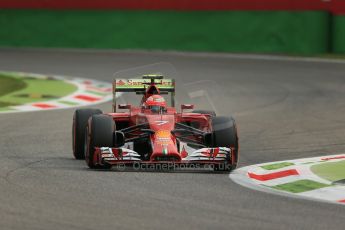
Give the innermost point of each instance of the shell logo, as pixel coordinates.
(163, 136)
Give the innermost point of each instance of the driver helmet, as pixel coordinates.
(156, 104)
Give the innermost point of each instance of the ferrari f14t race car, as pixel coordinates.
(154, 133)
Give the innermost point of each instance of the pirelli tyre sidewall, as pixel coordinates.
(225, 135)
(99, 133)
(80, 119)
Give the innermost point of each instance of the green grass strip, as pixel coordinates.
(36, 89)
(68, 102)
(7, 86)
(101, 85)
(277, 165)
(332, 171)
(5, 109)
(6, 104)
(17, 89)
(96, 93)
(300, 186)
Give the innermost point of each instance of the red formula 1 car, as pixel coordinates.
(154, 135)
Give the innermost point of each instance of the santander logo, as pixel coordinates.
(120, 83)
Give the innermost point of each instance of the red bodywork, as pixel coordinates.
(165, 137)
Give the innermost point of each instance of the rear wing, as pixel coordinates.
(139, 86)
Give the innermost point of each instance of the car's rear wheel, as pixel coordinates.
(225, 135)
(99, 133)
(80, 118)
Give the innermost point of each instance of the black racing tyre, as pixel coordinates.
(203, 111)
(80, 118)
(143, 147)
(100, 132)
(225, 135)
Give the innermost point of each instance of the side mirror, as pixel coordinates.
(124, 106)
(187, 106)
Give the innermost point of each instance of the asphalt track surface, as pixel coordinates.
(285, 109)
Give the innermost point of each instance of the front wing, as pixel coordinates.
(201, 158)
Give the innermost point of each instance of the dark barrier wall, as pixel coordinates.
(338, 34)
(228, 31)
(237, 26)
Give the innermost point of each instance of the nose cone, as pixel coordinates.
(164, 143)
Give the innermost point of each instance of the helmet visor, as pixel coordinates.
(155, 109)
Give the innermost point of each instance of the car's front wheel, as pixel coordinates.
(99, 133)
(225, 135)
(80, 118)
